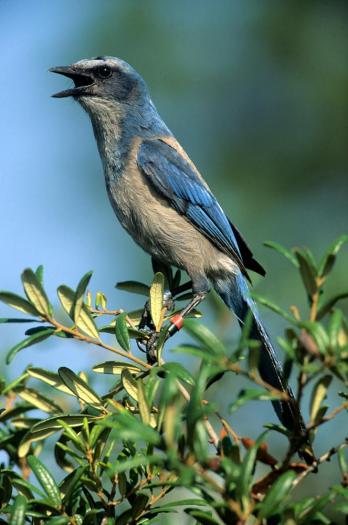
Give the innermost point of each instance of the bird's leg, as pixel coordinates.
(146, 324)
(178, 320)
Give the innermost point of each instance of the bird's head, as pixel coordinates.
(103, 80)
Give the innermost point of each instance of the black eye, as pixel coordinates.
(104, 71)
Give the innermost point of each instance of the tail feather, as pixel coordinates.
(235, 294)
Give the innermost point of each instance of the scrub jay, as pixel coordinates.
(163, 202)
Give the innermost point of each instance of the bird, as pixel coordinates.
(163, 202)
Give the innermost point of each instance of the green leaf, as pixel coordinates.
(275, 308)
(50, 378)
(46, 480)
(342, 462)
(80, 388)
(156, 300)
(47, 427)
(308, 270)
(283, 251)
(35, 292)
(39, 272)
(204, 336)
(38, 400)
(144, 408)
(129, 384)
(179, 371)
(79, 295)
(38, 337)
(251, 394)
(137, 461)
(17, 302)
(196, 351)
(85, 321)
(334, 328)
(326, 307)
(121, 332)
(205, 518)
(116, 368)
(276, 495)
(317, 331)
(318, 395)
(134, 287)
(246, 473)
(327, 262)
(18, 511)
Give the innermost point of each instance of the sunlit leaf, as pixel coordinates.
(85, 321)
(116, 367)
(318, 395)
(50, 378)
(144, 408)
(156, 300)
(38, 400)
(17, 302)
(129, 384)
(79, 295)
(35, 292)
(80, 388)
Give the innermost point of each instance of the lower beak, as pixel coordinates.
(81, 79)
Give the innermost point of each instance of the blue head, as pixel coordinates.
(111, 91)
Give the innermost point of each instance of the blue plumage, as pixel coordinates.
(162, 201)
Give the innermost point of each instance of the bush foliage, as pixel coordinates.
(152, 444)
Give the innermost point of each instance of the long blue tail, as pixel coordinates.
(235, 294)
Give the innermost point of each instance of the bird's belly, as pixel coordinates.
(159, 229)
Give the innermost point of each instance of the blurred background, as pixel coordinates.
(256, 92)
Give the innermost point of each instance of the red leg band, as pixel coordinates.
(177, 323)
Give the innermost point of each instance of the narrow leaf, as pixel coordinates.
(329, 258)
(45, 479)
(318, 395)
(121, 332)
(35, 292)
(204, 336)
(18, 511)
(80, 388)
(307, 270)
(38, 400)
(326, 307)
(116, 368)
(134, 287)
(156, 300)
(144, 408)
(85, 321)
(276, 495)
(50, 378)
(79, 295)
(129, 384)
(17, 302)
(283, 251)
(38, 337)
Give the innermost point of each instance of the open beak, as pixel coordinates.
(82, 81)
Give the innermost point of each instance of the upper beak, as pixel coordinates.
(82, 80)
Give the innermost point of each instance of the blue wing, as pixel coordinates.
(175, 179)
